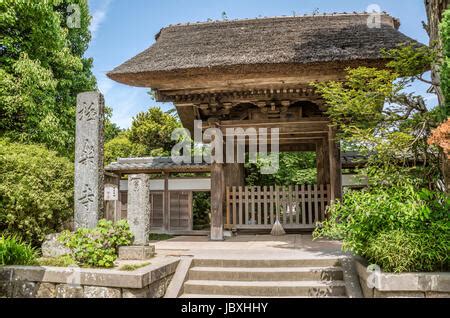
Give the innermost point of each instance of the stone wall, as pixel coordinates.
(52, 282)
(376, 284)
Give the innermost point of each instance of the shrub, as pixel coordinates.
(409, 251)
(15, 252)
(389, 226)
(98, 247)
(36, 191)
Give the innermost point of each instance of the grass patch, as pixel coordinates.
(159, 237)
(61, 261)
(132, 267)
(13, 251)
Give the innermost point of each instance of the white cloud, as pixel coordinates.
(98, 16)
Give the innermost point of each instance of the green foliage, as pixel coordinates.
(358, 102)
(98, 247)
(42, 71)
(201, 207)
(410, 61)
(366, 220)
(149, 135)
(61, 261)
(110, 129)
(133, 267)
(410, 251)
(153, 129)
(294, 168)
(15, 252)
(373, 111)
(122, 147)
(36, 191)
(445, 71)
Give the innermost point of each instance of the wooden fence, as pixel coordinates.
(299, 206)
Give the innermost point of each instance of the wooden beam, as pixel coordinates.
(297, 147)
(271, 123)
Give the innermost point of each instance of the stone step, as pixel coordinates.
(313, 262)
(266, 273)
(240, 296)
(266, 288)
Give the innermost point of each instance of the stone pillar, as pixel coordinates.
(139, 207)
(89, 172)
(217, 198)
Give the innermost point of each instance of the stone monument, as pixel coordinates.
(89, 172)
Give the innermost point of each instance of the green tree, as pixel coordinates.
(110, 129)
(373, 111)
(153, 129)
(149, 135)
(122, 147)
(42, 70)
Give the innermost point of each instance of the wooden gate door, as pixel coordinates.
(180, 211)
(157, 213)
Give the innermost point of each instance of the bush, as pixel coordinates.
(398, 227)
(98, 247)
(410, 251)
(36, 191)
(15, 252)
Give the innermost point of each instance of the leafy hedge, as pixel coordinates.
(445, 72)
(98, 247)
(36, 191)
(398, 228)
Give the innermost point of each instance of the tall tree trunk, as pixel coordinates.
(435, 9)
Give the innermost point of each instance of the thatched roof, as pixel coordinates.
(189, 49)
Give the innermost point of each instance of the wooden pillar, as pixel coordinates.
(335, 164)
(234, 174)
(166, 203)
(217, 199)
(320, 163)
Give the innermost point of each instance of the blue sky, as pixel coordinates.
(123, 28)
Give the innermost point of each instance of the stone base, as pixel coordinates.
(52, 248)
(402, 285)
(136, 252)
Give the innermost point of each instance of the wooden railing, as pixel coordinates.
(300, 206)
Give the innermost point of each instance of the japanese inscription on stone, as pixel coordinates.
(89, 160)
